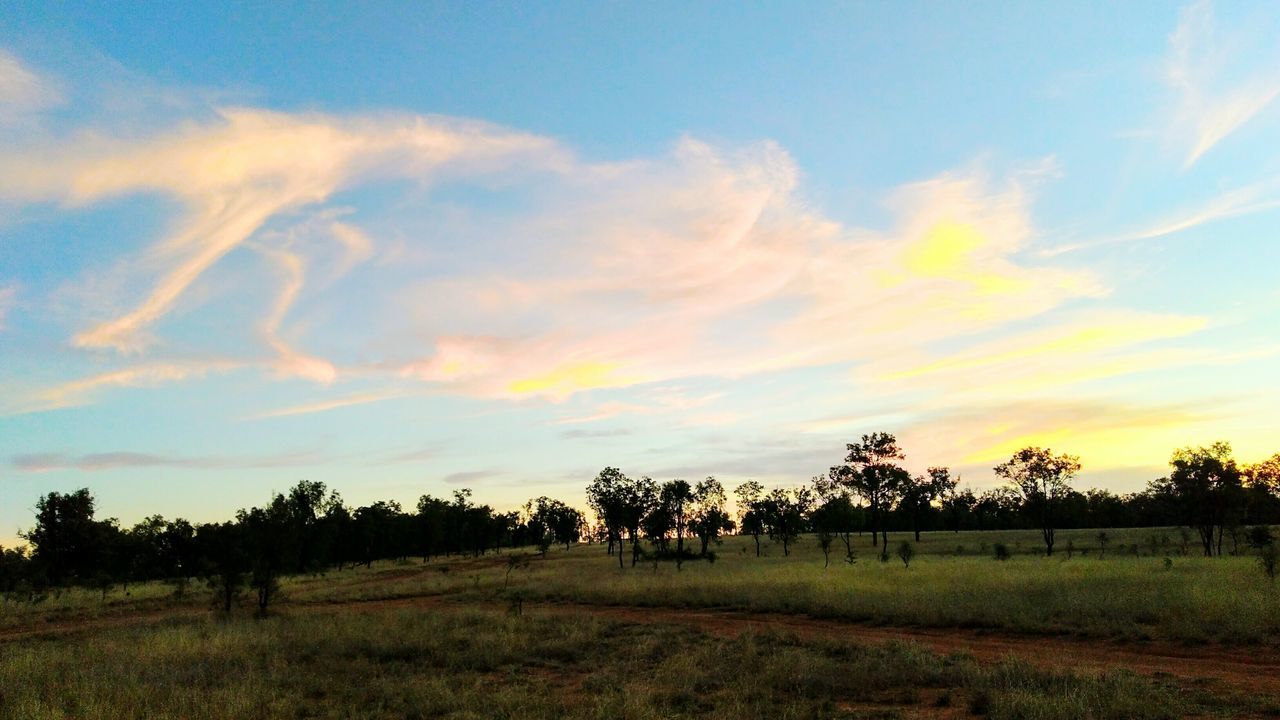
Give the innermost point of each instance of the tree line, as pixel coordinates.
(310, 529)
(872, 493)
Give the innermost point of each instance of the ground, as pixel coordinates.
(956, 634)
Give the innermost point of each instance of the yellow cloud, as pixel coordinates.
(1100, 448)
(1085, 340)
(569, 378)
(947, 251)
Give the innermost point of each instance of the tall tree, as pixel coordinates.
(750, 518)
(836, 515)
(65, 537)
(640, 499)
(676, 497)
(562, 523)
(785, 514)
(871, 471)
(709, 517)
(606, 495)
(920, 492)
(1205, 485)
(1043, 479)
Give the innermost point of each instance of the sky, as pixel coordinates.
(406, 248)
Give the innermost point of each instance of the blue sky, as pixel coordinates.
(410, 248)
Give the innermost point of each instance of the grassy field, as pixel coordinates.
(476, 664)
(465, 638)
(1118, 595)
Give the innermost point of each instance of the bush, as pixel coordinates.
(1269, 558)
(1259, 537)
(906, 551)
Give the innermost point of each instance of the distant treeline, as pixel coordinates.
(306, 530)
(310, 529)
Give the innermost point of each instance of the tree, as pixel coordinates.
(65, 538)
(1265, 474)
(656, 526)
(430, 525)
(1043, 479)
(957, 504)
(1205, 485)
(560, 523)
(871, 472)
(919, 493)
(836, 516)
(640, 499)
(306, 503)
(784, 515)
(750, 517)
(224, 561)
(271, 538)
(676, 497)
(709, 518)
(608, 497)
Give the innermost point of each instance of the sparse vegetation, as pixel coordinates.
(306, 549)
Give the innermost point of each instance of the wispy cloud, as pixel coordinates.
(7, 297)
(236, 173)
(1214, 96)
(47, 462)
(470, 476)
(704, 261)
(84, 390)
(326, 405)
(22, 91)
(1244, 201)
(581, 434)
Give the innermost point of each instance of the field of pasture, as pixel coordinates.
(1133, 629)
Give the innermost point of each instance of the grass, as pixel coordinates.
(1134, 598)
(1121, 595)
(1118, 596)
(326, 654)
(474, 664)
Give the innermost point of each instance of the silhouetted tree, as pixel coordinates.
(750, 516)
(918, 494)
(871, 471)
(65, 539)
(958, 505)
(676, 497)
(1205, 485)
(1043, 479)
(785, 513)
(561, 523)
(836, 514)
(607, 496)
(224, 561)
(709, 519)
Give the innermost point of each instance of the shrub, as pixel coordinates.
(1269, 558)
(906, 551)
(1259, 537)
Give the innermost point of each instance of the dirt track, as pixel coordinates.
(1247, 669)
